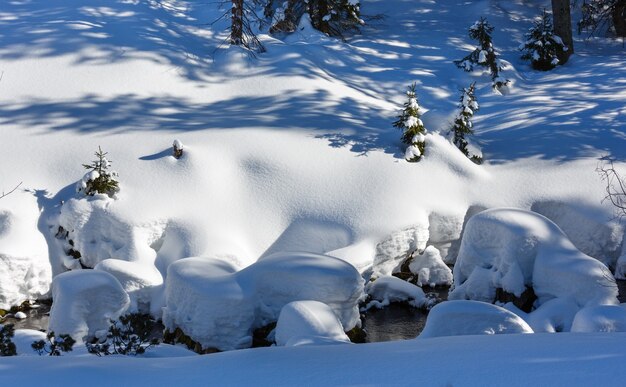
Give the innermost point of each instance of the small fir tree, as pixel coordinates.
(542, 47)
(463, 125)
(484, 55)
(333, 17)
(99, 179)
(412, 127)
(129, 336)
(7, 347)
(53, 346)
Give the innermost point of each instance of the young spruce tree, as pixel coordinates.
(99, 179)
(7, 347)
(542, 47)
(412, 127)
(484, 55)
(463, 122)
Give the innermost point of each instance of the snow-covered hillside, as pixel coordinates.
(291, 151)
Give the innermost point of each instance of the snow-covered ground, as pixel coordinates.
(294, 152)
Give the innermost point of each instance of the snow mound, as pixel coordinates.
(139, 281)
(84, 303)
(387, 289)
(458, 318)
(25, 272)
(600, 318)
(23, 338)
(555, 315)
(308, 322)
(513, 249)
(97, 233)
(219, 307)
(594, 237)
(430, 268)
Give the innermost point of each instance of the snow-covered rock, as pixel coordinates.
(555, 315)
(511, 249)
(23, 338)
(387, 289)
(219, 307)
(391, 252)
(84, 303)
(457, 318)
(139, 280)
(430, 268)
(25, 272)
(600, 318)
(308, 322)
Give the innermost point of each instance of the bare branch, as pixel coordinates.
(615, 185)
(11, 191)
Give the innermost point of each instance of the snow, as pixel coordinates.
(296, 146)
(20, 315)
(387, 289)
(218, 306)
(457, 318)
(513, 249)
(600, 318)
(430, 268)
(141, 282)
(308, 323)
(85, 302)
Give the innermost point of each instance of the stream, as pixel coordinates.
(394, 322)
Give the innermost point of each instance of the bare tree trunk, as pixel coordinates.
(563, 26)
(236, 27)
(619, 18)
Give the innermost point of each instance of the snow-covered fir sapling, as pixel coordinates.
(413, 130)
(53, 345)
(178, 149)
(542, 47)
(99, 179)
(463, 125)
(7, 347)
(485, 55)
(129, 336)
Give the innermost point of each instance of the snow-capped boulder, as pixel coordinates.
(84, 303)
(387, 289)
(308, 322)
(457, 318)
(139, 280)
(513, 249)
(391, 252)
(430, 268)
(25, 272)
(219, 307)
(600, 318)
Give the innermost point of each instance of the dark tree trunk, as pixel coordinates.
(236, 27)
(563, 26)
(619, 18)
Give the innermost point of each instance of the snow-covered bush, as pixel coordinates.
(309, 322)
(84, 303)
(542, 47)
(128, 336)
(7, 347)
(512, 250)
(430, 268)
(463, 125)
(457, 318)
(99, 179)
(413, 130)
(485, 54)
(53, 345)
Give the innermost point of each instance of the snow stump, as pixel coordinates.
(308, 323)
(84, 303)
(458, 318)
(512, 250)
(218, 307)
